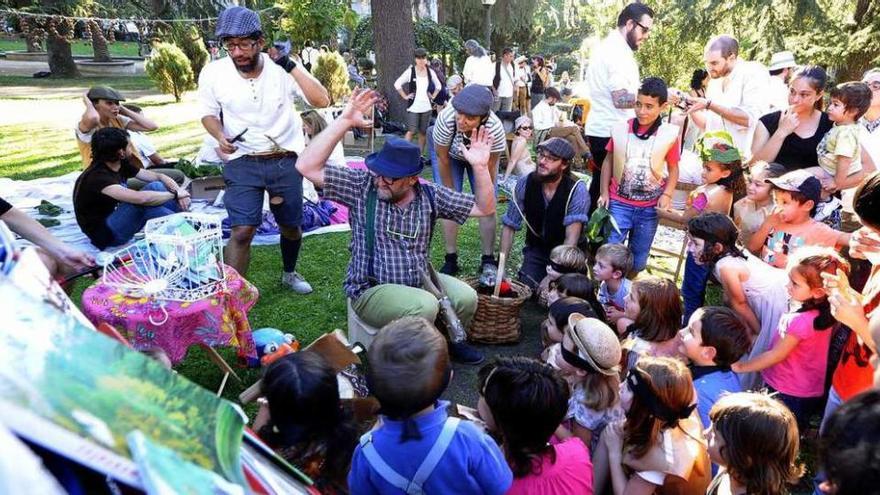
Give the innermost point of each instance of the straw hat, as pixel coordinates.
(596, 343)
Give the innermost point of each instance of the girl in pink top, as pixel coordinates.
(796, 363)
(523, 401)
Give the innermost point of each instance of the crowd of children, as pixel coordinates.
(642, 388)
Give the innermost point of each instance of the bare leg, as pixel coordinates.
(408, 136)
(450, 235)
(238, 248)
(487, 234)
(423, 140)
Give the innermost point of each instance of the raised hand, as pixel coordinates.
(480, 149)
(359, 110)
(864, 242)
(788, 121)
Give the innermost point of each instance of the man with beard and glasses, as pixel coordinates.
(247, 105)
(613, 79)
(737, 96)
(392, 216)
(552, 204)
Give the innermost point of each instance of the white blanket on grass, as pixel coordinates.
(26, 196)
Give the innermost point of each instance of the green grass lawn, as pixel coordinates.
(47, 147)
(122, 83)
(79, 48)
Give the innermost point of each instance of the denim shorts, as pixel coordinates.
(248, 176)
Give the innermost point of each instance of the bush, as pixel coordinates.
(189, 39)
(331, 70)
(170, 70)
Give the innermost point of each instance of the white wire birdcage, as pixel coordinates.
(180, 259)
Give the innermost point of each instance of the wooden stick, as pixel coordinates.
(499, 276)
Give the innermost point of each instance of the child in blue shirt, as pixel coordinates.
(714, 338)
(417, 446)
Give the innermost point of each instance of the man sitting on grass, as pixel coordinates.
(107, 211)
(392, 217)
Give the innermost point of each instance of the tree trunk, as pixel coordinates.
(394, 42)
(60, 58)
(99, 43)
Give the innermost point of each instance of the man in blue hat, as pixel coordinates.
(553, 205)
(392, 217)
(470, 109)
(262, 133)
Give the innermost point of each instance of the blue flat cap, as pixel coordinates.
(473, 100)
(398, 158)
(236, 22)
(558, 147)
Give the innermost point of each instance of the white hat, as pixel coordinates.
(782, 60)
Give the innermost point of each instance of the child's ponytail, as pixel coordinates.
(811, 263)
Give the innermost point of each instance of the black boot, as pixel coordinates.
(450, 267)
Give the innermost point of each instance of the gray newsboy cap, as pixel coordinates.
(558, 147)
(473, 100)
(104, 93)
(237, 21)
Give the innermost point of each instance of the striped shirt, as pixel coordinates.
(445, 133)
(403, 235)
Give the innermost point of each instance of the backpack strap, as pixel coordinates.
(372, 197)
(432, 200)
(435, 454)
(379, 465)
(414, 486)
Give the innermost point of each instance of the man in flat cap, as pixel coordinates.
(553, 205)
(247, 105)
(392, 218)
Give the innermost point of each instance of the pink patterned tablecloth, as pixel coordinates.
(219, 320)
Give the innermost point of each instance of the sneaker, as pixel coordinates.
(295, 282)
(450, 266)
(487, 260)
(464, 353)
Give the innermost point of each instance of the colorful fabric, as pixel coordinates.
(218, 320)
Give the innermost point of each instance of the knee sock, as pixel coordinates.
(290, 253)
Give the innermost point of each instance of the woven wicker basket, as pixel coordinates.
(497, 319)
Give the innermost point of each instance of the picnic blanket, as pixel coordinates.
(26, 196)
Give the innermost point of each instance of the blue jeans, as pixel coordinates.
(640, 224)
(693, 288)
(128, 219)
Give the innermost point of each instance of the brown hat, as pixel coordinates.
(596, 343)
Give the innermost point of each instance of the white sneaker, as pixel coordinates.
(296, 283)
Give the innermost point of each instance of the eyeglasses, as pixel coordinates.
(548, 156)
(384, 180)
(644, 29)
(243, 46)
(405, 235)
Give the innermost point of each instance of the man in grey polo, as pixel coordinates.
(262, 132)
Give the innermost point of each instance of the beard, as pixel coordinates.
(550, 177)
(250, 65)
(631, 40)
